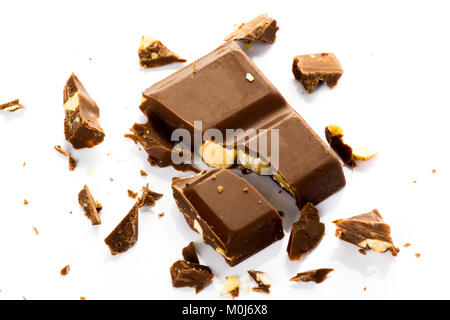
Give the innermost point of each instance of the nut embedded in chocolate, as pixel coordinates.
(125, 235)
(190, 253)
(314, 69)
(317, 275)
(306, 232)
(231, 287)
(152, 53)
(89, 206)
(189, 274)
(261, 29)
(11, 106)
(367, 231)
(261, 279)
(81, 126)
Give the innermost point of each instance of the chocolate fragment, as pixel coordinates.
(81, 126)
(334, 136)
(160, 215)
(72, 161)
(143, 173)
(64, 271)
(367, 231)
(188, 274)
(152, 53)
(222, 98)
(154, 137)
(11, 106)
(261, 29)
(132, 194)
(131, 137)
(125, 235)
(89, 206)
(149, 197)
(261, 280)
(231, 287)
(317, 276)
(314, 69)
(36, 231)
(26, 202)
(190, 253)
(306, 232)
(236, 224)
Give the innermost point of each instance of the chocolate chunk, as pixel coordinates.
(81, 126)
(261, 280)
(89, 205)
(334, 136)
(314, 69)
(125, 235)
(149, 197)
(314, 275)
(152, 53)
(306, 232)
(154, 137)
(188, 274)
(367, 231)
(11, 106)
(190, 254)
(262, 29)
(222, 98)
(72, 161)
(64, 271)
(236, 224)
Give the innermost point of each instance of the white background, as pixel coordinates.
(392, 97)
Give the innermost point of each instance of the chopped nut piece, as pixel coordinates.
(82, 298)
(249, 77)
(317, 275)
(220, 189)
(132, 194)
(188, 274)
(11, 106)
(64, 271)
(190, 253)
(367, 231)
(261, 279)
(152, 53)
(231, 286)
(364, 154)
(88, 205)
(217, 156)
(262, 29)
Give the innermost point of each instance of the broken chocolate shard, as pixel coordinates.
(261, 280)
(190, 253)
(314, 69)
(236, 224)
(154, 137)
(368, 231)
(132, 194)
(334, 135)
(318, 275)
(261, 29)
(81, 126)
(125, 235)
(72, 161)
(11, 106)
(188, 274)
(143, 173)
(306, 232)
(64, 271)
(88, 205)
(152, 53)
(148, 197)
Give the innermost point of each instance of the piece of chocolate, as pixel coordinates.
(132, 194)
(154, 137)
(143, 173)
(314, 69)
(11, 106)
(317, 275)
(190, 253)
(334, 135)
(306, 232)
(188, 274)
(367, 231)
(236, 224)
(89, 205)
(125, 235)
(261, 280)
(149, 197)
(152, 53)
(64, 271)
(231, 287)
(72, 161)
(222, 98)
(81, 126)
(262, 29)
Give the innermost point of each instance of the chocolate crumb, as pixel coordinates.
(418, 255)
(82, 298)
(24, 164)
(220, 189)
(362, 251)
(415, 181)
(406, 245)
(89, 205)
(132, 194)
(433, 171)
(160, 215)
(317, 276)
(11, 106)
(365, 288)
(149, 197)
(25, 202)
(64, 271)
(36, 231)
(143, 173)
(72, 161)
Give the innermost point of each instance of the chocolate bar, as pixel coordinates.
(81, 126)
(261, 29)
(152, 53)
(318, 275)
(368, 231)
(314, 69)
(189, 274)
(220, 95)
(236, 223)
(306, 232)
